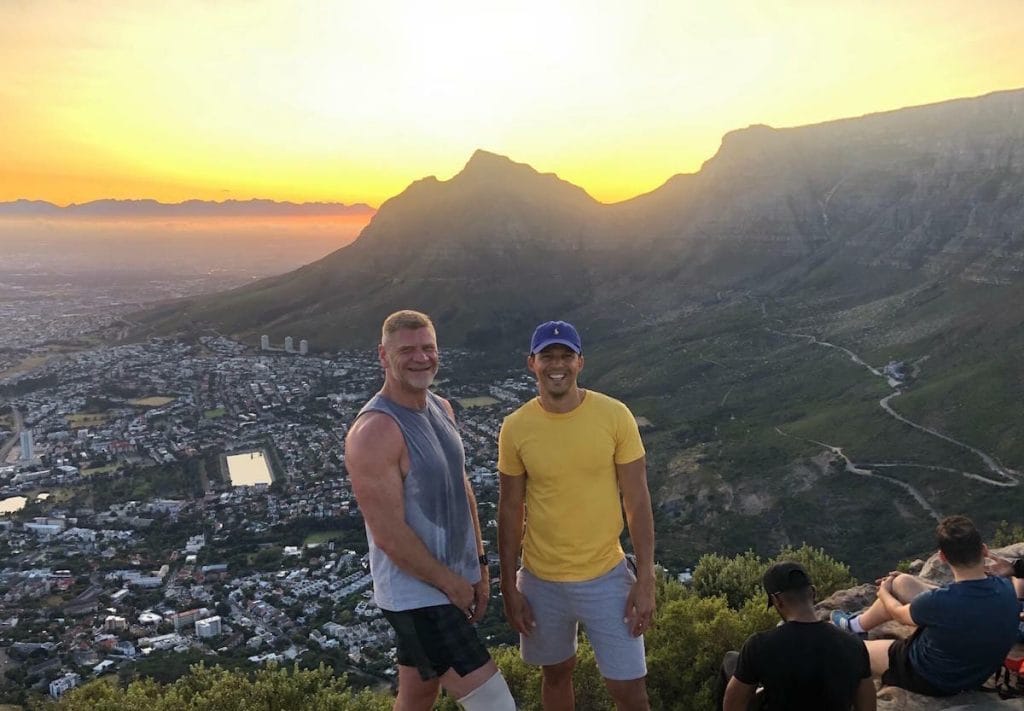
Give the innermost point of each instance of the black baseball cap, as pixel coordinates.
(783, 577)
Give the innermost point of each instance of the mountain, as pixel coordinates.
(126, 209)
(451, 247)
(719, 306)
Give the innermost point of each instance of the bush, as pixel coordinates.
(216, 689)
(1007, 535)
(738, 579)
(828, 574)
(686, 646)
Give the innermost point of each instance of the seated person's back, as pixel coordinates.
(964, 631)
(804, 665)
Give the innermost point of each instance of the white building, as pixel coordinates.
(195, 543)
(27, 451)
(264, 342)
(288, 344)
(303, 347)
(59, 687)
(210, 627)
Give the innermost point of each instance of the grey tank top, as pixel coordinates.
(436, 505)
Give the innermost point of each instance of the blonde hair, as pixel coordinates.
(405, 319)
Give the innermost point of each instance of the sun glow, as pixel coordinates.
(351, 101)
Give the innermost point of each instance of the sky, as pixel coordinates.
(351, 101)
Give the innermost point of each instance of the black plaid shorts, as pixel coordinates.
(435, 639)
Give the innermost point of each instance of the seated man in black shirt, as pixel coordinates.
(802, 665)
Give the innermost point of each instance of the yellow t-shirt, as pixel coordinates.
(573, 508)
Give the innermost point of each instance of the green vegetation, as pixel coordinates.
(1006, 535)
(217, 689)
(324, 537)
(176, 480)
(105, 469)
(694, 628)
(86, 419)
(214, 413)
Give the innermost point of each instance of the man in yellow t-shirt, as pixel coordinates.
(565, 458)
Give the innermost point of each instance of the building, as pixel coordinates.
(210, 627)
(113, 623)
(289, 346)
(27, 451)
(183, 619)
(195, 543)
(264, 342)
(303, 347)
(61, 686)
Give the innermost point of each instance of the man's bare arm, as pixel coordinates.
(738, 695)
(511, 509)
(865, 700)
(373, 453)
(636, 501)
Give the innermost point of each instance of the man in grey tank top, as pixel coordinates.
(405, 460)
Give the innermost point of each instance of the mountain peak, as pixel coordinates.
(486, 163)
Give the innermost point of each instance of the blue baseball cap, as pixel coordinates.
(555, 332)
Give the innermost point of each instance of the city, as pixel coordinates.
(135, 543)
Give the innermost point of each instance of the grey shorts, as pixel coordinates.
(600, 604)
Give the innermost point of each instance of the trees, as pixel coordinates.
(739, 578)
(217, 689)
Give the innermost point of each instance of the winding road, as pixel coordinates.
(1001, 476)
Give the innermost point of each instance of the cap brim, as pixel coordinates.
(556, 341)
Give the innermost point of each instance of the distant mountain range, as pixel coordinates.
(898, 235)
(189, 208)
(911, 194)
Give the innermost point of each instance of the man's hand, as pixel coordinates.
(999, 566)
(518, 611)
(886, 582)
(640, 605)
(481, 594)
(460, 592)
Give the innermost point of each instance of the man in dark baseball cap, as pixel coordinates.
(801, 665)
(551, 333)
(783, 577)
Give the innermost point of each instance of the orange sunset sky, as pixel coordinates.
(351, 101)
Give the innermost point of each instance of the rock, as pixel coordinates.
(852, 600)
(891, 698)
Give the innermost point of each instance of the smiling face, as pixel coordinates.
(556, 368)
(410, 359)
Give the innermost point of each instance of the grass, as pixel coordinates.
(79, 420)
(214, 413)
(482, 401)
(28, 364)
(152, 401)
(105, 469)
(322, 537)
(718, 383)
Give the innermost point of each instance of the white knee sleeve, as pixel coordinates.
(492, 695)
